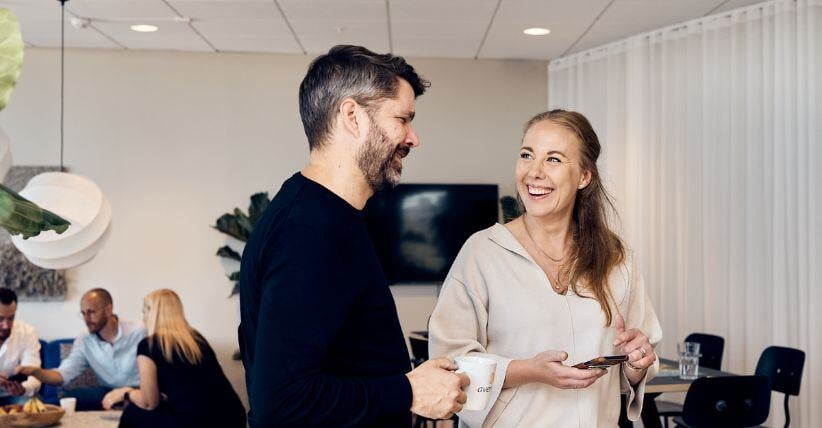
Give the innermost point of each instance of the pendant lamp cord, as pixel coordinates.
(62, 72)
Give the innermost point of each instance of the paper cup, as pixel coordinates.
(68, 404)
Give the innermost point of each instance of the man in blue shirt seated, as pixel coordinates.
(109, 349)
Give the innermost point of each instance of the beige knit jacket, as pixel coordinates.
(497, 302)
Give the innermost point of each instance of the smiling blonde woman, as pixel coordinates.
(550, 289)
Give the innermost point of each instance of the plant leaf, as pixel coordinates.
(228, 224)
(239, 225)
(11, 54)
(259, 202)
(235, 290)
(227, 252)
(243, 221)
(235, 276)
(20, 216)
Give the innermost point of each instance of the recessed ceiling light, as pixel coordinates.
(144, 28)
(536, 31)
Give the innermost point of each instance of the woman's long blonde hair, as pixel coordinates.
(167, 327)
(595, 249)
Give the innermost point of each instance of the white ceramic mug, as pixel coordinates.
(481, 372)
(68, 404)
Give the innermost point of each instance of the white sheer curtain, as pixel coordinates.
(712, 146)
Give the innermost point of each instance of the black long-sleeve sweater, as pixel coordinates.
(319, 334)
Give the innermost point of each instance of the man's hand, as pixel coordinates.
(13, 388)
(115, 396)
(437, 390)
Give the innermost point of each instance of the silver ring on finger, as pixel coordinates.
(642, 350)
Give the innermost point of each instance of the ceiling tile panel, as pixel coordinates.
(170, 36)
(566, 20)
(246, 28)
(129, 10)
(255, 44)
(228, 10)
(321, 24)
(433, 28)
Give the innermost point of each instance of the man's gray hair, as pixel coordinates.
(350, 72)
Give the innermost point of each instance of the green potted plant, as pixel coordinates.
(239, 225)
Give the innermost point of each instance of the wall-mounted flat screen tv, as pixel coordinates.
(418, 229)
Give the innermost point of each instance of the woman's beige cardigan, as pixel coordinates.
(496, 302)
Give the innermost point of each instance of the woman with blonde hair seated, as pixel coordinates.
(181, 382)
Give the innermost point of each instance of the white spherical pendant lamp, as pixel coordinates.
(78, 200)
(72, 197)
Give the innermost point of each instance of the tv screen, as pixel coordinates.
(418, 229)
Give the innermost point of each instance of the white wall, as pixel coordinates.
(176, 139)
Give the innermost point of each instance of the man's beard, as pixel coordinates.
(95, 328)
(379, 160)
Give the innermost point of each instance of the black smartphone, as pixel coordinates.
(602, 362)
(19, 378)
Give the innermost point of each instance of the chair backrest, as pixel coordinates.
(419, 349)
(711, 348)
(784, 367)
(733, 401)
(52, 352)
(50, 357)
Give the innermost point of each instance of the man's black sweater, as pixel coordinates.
(319, 333)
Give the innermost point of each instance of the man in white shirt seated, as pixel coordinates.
(18, 346)
(109, 349)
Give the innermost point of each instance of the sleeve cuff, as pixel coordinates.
(31, 385)
(636, 393)
(66, 379)
(393, 394)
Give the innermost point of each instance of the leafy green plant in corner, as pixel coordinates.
(239, 225)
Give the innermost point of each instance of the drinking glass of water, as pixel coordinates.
(688, 360)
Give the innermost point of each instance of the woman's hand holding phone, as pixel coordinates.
(548, 368)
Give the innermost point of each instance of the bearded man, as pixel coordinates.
(320, 336)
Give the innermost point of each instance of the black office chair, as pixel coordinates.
(733, 401)
(784, 367)
(711, 348)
